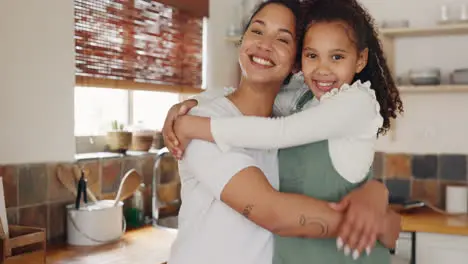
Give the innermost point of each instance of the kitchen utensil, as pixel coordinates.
(425, 76)
(77, 172)
(81, 190)
(98, 223)
(129, 184)
(66, 180)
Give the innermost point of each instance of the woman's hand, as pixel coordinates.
(391, 229)
(170, 139)
(365, 209)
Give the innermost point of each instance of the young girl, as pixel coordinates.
(338, 117)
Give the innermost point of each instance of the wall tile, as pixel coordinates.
(427, 190)
(57, 191)
(424, 166)
(147, 165)
(169, 169)
(12, 216)
(32, 184)
(10, 185)
(378, 165)
(56, 224)
(129, 163)
(398, 166)
(452, 167)
(111, 174)
(399, 189)
(35, 216)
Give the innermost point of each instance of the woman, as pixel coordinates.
(214, 183)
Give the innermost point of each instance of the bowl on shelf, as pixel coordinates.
(425, 76)
(459, 76)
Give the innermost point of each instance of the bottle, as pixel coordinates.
(135, 213)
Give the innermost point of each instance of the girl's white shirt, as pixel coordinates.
(349, 118)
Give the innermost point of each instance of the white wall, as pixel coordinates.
(36, 81)
(433, 123)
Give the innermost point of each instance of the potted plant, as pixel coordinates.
(118, 139)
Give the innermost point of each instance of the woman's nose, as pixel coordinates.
(265, 43)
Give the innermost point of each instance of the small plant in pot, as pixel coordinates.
(118, 139)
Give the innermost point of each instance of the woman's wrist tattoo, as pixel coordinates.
(317, 222)
(246, 212)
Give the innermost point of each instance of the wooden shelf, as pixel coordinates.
(442, 30)
(444, 88)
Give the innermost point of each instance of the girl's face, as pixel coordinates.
(330, 57)
(268, 48)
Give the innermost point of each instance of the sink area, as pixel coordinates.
(169, 222)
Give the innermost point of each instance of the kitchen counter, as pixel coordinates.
(152, 244)
(148, 245)
(431, 222)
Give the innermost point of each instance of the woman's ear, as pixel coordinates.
(362, 60)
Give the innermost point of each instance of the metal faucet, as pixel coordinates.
(163, 190)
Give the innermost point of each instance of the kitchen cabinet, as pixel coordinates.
(439, 248)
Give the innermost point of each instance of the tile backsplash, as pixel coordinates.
(422, 177)
(35, 197)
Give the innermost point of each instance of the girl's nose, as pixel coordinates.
(323, 69)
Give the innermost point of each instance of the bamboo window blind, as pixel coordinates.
(137, 44)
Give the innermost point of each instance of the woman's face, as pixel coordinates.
(330, 57)
(268, 48)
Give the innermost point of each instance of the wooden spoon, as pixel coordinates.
(129, 184)
(66, 180)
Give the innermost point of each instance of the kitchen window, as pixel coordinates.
(134, 60)
(96, 108)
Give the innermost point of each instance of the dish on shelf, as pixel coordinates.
(425, 76)
(459, 76)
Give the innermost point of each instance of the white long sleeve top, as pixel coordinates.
(349, 118)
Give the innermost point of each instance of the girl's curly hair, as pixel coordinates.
(364, 36)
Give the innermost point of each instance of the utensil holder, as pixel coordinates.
(25, 245)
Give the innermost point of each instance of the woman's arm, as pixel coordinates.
(343, 114)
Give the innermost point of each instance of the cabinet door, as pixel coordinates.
(437, 249)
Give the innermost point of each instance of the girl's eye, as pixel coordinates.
(311, 55)
(337, 57)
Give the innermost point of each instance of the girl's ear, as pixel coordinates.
(362, 60)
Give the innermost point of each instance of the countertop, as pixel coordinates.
(151, 245)
(148, 245)
(429, 221)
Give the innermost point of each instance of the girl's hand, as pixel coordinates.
(365, 209)
(170, 139)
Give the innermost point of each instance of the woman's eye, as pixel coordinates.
(284, 41)
(337, 57)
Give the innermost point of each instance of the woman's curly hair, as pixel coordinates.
(364, 36)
